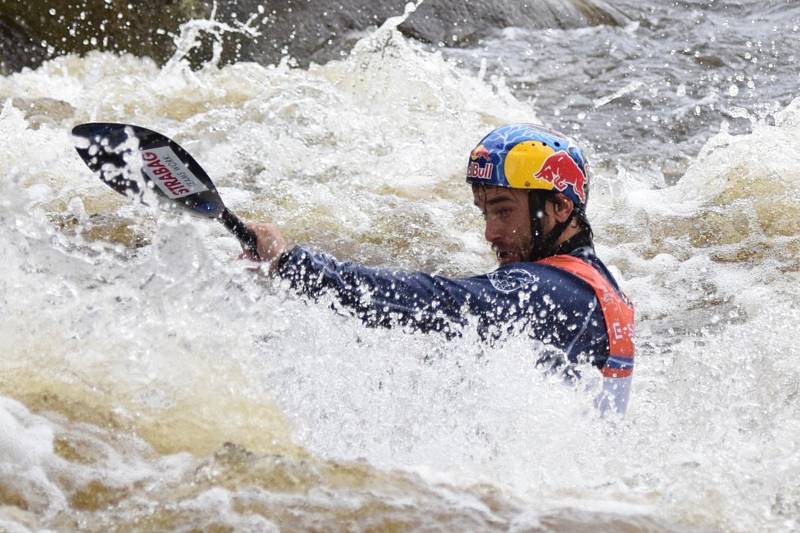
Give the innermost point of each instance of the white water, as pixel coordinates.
(134, 345)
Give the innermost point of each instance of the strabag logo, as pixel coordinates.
(167, 171)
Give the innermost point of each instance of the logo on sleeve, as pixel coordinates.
(510, 280)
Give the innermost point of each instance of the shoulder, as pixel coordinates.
(534, 277)
(512, 277)
(583, 263)
(587, 254)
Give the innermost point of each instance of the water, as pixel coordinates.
(653, 90)
(150, 381)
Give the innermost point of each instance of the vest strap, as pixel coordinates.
(617, 312)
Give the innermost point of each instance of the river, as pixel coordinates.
(150, 381)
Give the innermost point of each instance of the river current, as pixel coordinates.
(151, 381)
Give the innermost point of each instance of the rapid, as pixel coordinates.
(150, 380)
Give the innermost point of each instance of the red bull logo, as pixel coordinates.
(480, 166)
(480, 152)
(561, 170)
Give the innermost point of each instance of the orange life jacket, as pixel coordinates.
(618, 314)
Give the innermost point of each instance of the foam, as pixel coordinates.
(155, 348)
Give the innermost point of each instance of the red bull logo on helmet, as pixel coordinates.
(480, 165)
(561, 170)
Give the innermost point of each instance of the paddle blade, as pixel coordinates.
(142, 164)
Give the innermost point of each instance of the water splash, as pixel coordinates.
(137, 344)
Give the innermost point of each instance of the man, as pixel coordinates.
(531, 184)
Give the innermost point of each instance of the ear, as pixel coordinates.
(563, 207)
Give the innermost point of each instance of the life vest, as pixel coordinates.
(618, 315)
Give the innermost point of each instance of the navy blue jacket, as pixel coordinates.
(544, 302)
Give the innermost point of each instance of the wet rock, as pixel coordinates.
(308, 31)
(33, 31)
(322, 30)
(465, 22)
(17, 48)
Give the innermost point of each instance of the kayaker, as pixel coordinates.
(532, 186)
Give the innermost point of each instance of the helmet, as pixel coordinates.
(528, 156)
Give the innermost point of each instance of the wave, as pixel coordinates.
(135, 346)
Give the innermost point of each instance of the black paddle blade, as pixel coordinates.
(129, 158)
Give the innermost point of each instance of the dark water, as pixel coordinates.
(651, 92)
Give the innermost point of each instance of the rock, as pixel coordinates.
(37, 29)
(310, 31)
(319, 31)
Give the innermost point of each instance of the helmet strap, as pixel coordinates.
(543, 245)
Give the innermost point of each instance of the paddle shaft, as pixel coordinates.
(245, 235)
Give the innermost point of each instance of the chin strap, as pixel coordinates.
(545, 245)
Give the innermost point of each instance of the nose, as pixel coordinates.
(493, 230)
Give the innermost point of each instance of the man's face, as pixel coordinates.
(508, 224)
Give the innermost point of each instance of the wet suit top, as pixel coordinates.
(562, 301)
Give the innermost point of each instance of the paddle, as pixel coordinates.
(159, 164)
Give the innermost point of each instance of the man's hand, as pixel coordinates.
(270, 244)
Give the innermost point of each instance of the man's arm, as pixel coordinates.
(559, 309)
(379, 297)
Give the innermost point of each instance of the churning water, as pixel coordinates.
(149, 380)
